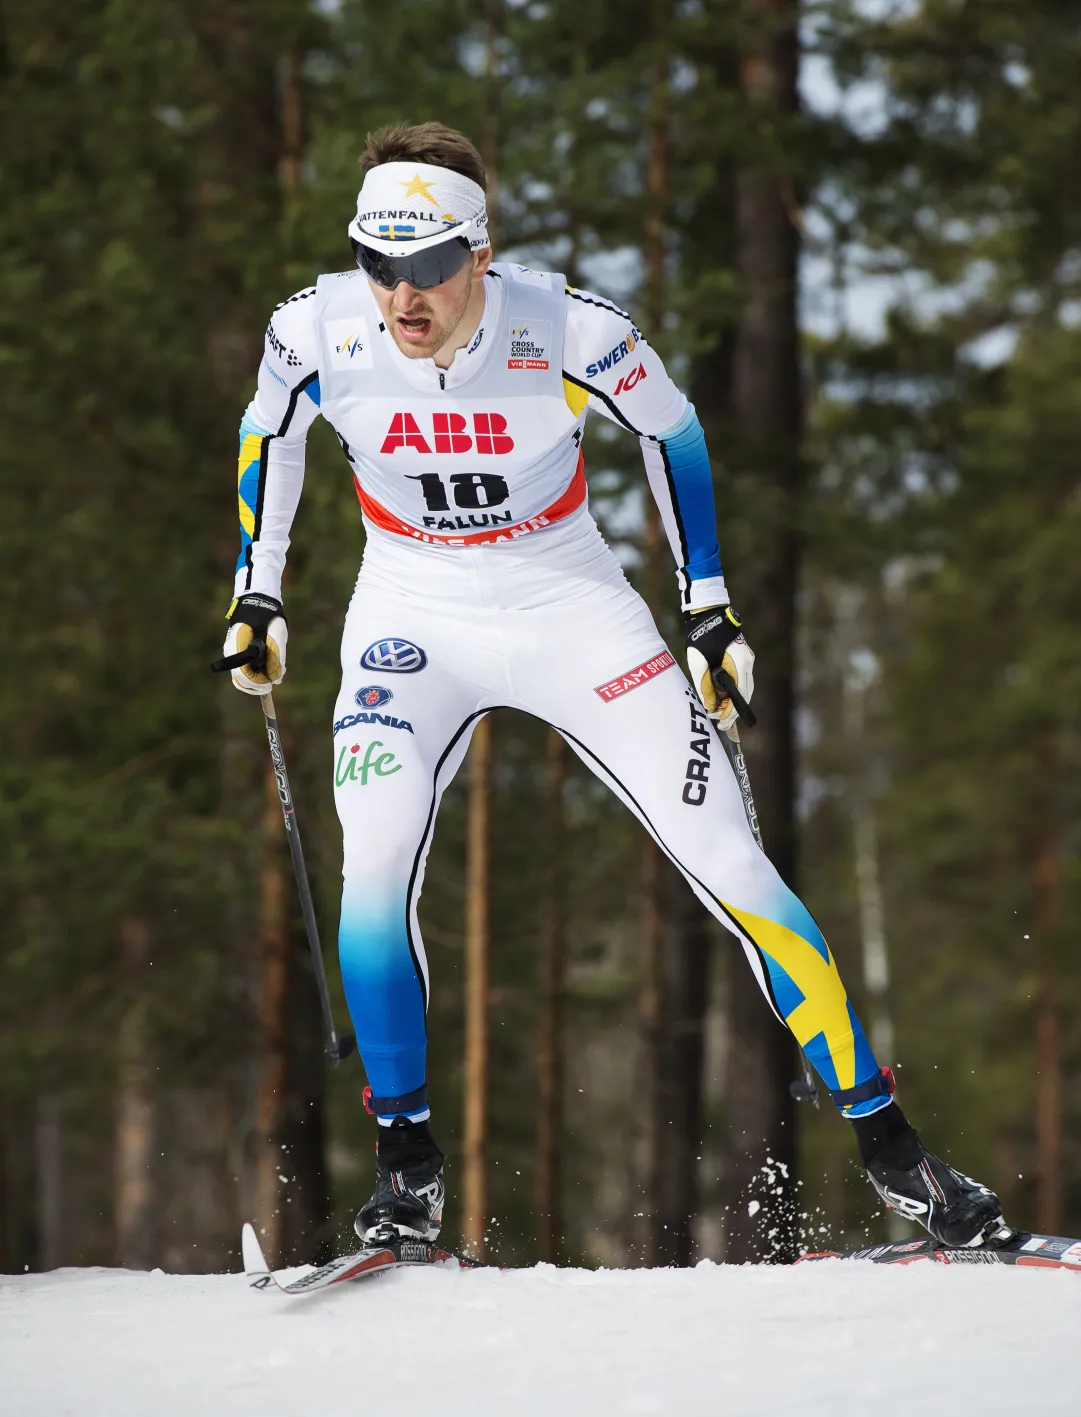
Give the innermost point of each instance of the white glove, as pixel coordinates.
(715, 641)
(260, 618)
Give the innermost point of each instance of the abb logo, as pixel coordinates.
(629, 380)
(449, 434)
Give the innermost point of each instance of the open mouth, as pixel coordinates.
(414, 328)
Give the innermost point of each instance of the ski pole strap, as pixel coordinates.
(726, 687)
(883, 1084)
(392, 1106)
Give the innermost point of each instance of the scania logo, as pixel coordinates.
(393, 656)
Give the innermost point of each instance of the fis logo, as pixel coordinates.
(450, 434)
(529, 345)
(609, 360)
(350, 347)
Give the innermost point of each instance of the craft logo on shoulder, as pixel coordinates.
(372, 696)
(393, 656)
(449, 434)
(529, 345)
(476, 341)
(280, 348)
(351, 768)
(623, 348)
(624, 683)
(350, 346)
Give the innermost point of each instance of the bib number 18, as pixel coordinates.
(471, 490)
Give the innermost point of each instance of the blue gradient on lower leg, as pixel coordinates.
(385, 998)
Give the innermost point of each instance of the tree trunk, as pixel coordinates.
(649, 1080)
(654, 866)
(49, 1165)
(478, 885)
(685, 985)
(133, 1197)
(273, 994)
(767, 408)
(548, 1185)
(495, 24)
(477, 969)
(1048, 1047)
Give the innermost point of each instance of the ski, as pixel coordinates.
(372, 1259)
(1022, 1248)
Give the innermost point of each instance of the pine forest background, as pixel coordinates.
(853, 228)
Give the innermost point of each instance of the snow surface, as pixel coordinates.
(827, 1338)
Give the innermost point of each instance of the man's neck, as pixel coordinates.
(465, 329)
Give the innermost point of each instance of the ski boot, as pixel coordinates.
(408, 1197)
(955, 1209)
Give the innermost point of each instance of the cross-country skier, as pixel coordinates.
(459, 389)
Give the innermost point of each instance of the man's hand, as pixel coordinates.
(715, 641)
(257, 617)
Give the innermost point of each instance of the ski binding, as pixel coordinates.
(389, 1252)
(1018, 1247)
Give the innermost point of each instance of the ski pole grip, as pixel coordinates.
(726, 687)
(254, 654)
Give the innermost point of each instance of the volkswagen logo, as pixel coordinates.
(393, 656)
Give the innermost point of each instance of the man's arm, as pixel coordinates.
(606, 356)
(270, 472)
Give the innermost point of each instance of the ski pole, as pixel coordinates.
(337, 1047)
(804, 1089)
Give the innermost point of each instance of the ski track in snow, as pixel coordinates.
(827, 1338)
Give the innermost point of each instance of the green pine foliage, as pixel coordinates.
(146, 234)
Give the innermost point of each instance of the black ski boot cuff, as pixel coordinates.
(405, 1144)
(884, 1130)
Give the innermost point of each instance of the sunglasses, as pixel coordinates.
(421, 269)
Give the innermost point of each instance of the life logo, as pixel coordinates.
(393, 656)
(529, 345)
(626, 346)
(350, 345)
(350, 767)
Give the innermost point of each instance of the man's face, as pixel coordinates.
(422, 321)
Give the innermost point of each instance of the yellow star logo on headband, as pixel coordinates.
(419, 188)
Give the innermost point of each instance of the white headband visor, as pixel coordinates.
(406, 207)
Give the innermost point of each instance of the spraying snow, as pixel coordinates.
(830, 1338)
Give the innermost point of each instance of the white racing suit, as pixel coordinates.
(486, 583)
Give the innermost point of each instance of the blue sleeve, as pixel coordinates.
(683, 448)
(677, 466)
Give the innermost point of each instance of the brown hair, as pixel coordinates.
(431, 143)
